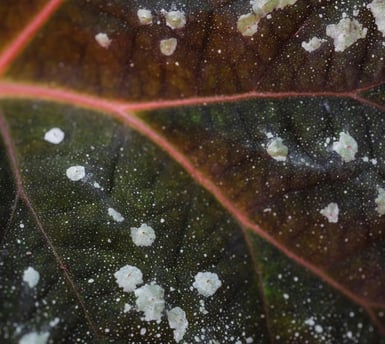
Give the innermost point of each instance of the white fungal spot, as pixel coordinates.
(380, 202)
(377, 7)
(143, 236)
(75, 173)
(144, 16)
(345, 33)
(331, 212)
(54, 135)
(313, 44)
(128, 277)
(175, 19)
(103, 40)
(247, 24)
(346, 147)
(149, 300)
(207, 283)
(168, 46)
(34, 338)
(116, 216)
(277, 150)
(177, 320)
(31, 277)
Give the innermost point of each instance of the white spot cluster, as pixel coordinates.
(177, 320)
(313, 44)
(247, 24)
(34, 338)
(346, 147)
(128, 277)
(31, 277)
(331, 212)
(277, 149)
(150, 301)
(207, 283)
(76, 173)
(345, 33)
(144, 16)
(54, 136)
(175, 19)
(380, 202)
(116, 216)
(168, 46)
(143, 236)
(377, 7)
(103, 40)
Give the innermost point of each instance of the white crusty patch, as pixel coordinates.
(54, 135)
(103, 40)
(178, 322)
(34, 338)
(377, 7)
(31, 277)
(116, 216)
(149, 300)
(144, 16)
(380, 202)
(128, 277)
(345, 33)
(76, 173)
(331, 212)
(175, 19)
(207, 283)
(168, 46)
(143, 236)
(277, 149)
(313, 44)
(346, 147)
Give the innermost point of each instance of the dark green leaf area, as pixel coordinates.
(126, 172)
(229, 143)
(303, 309)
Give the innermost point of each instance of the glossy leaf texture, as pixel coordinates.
(183, 142)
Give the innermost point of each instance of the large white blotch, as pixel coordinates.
(277, 149)
(207, 283)
(346, 147)
(345, 33)
(177, 320)
(31, 277)
(377, 7)
(128, 277)
(380, 202)
(149, 300)
(34, 338)
(331, 212)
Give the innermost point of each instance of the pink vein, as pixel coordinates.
(24, 37)
(23, 195)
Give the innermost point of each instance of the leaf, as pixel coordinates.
(227, 148)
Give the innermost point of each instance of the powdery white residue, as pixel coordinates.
(277, 149)
(380, 202)
(128, 277)
(175, 19)
(346, 147)
(207, 283)
(345, 33)
(168, 46)
(34, 338)
(149, 300)
(178, 322)
(331, 212)
(377, 7)
(143, 236)
(54, 135)
(76, 173)
(31, 277)
(313, 44)
(103, 40)
(116, 216)
(144, 16)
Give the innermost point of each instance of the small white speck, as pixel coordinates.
(313, 44)
(168, 46)
(143, 331)
(128, 277)
(286, 296)
(103, 40)
(380, 201)
(116, 216)
(277, 150)
(143, 236)
(31, 277)
(207, 283)
(96, 185)
(331, 212)
(54, 322)
(249, 340)
(127, 307)
(91, 280)
(76, 173)
(310, 322)
(178, 322)
(54, 135)
(346, 147)
(149, 300)
(34, 338)
(144, 16)
(318, 328)
(162, 220)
